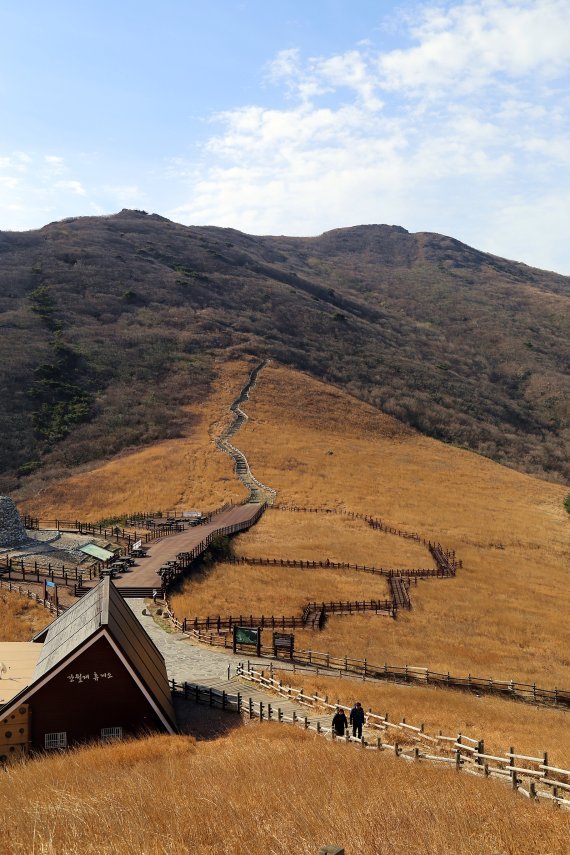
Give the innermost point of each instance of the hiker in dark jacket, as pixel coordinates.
(339, 722)
(357, 719)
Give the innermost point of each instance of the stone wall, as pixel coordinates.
(12, 531)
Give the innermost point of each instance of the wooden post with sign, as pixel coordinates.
(50, 593)
(283, 642)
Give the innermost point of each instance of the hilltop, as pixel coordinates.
(112, 328)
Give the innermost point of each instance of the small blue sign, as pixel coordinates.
(50, 584)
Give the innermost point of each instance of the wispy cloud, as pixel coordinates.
(46, 187)
(464, 131)
(464, 47)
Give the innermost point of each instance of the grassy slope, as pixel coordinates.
(20, 617)
(295, 792)
(184, 473)
(264, 788)
(504, 613)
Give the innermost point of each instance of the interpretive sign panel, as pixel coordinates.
(246, 636)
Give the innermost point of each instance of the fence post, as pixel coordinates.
(480, 750)
(513, 772)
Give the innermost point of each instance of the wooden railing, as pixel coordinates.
(121, 534)
(185, 559)
(312, 616)
(445, 558)
(206, 695)
(533, 776)
(388, 572)
(350, 667)
(32, 595)
(28, 571)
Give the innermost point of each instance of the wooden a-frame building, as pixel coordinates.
(98, 676)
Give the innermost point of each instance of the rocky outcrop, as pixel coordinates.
(12, 531)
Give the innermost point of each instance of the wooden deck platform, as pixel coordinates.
(144, 573)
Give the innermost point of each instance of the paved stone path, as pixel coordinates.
(193, 663)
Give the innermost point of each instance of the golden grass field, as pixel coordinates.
(269, 788)
(500, 722)
(20, 618)
(505, 615)
(263, 788)
(269, 590)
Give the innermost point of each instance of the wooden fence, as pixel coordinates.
(532, 776)
(185, 559)
(31, 595)
(205, 695)
(445, 559)
(388, 572)
(28, 571)
(118, 533)
(350, 667)
(313, 616)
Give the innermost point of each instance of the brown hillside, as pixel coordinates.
(504, 613)
(502, 616)
(111, 326)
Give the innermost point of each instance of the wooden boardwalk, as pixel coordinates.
(144, 573)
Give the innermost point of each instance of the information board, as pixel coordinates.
(246, 636)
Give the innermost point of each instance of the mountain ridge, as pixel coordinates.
(109, 324)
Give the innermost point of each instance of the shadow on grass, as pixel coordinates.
(202, 721)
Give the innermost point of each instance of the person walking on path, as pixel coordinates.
(339, 722)
(357, 719)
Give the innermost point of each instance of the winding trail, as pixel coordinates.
(258, 492)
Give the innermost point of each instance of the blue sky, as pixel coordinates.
(290, 117)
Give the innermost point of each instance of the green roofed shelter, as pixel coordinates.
(97, 552)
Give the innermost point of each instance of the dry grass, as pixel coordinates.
(318, 537)
(501, 723)
(181, 473)
(505, 613)
(239, 589)
(20, 617)
(269, 788)
(264, 788)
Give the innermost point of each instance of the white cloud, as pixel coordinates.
(55, 164)
(75, 187)
(540, 223)
(356, 143)
(470, 44)
(34, 186)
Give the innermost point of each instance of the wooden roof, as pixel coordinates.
(104, 611)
